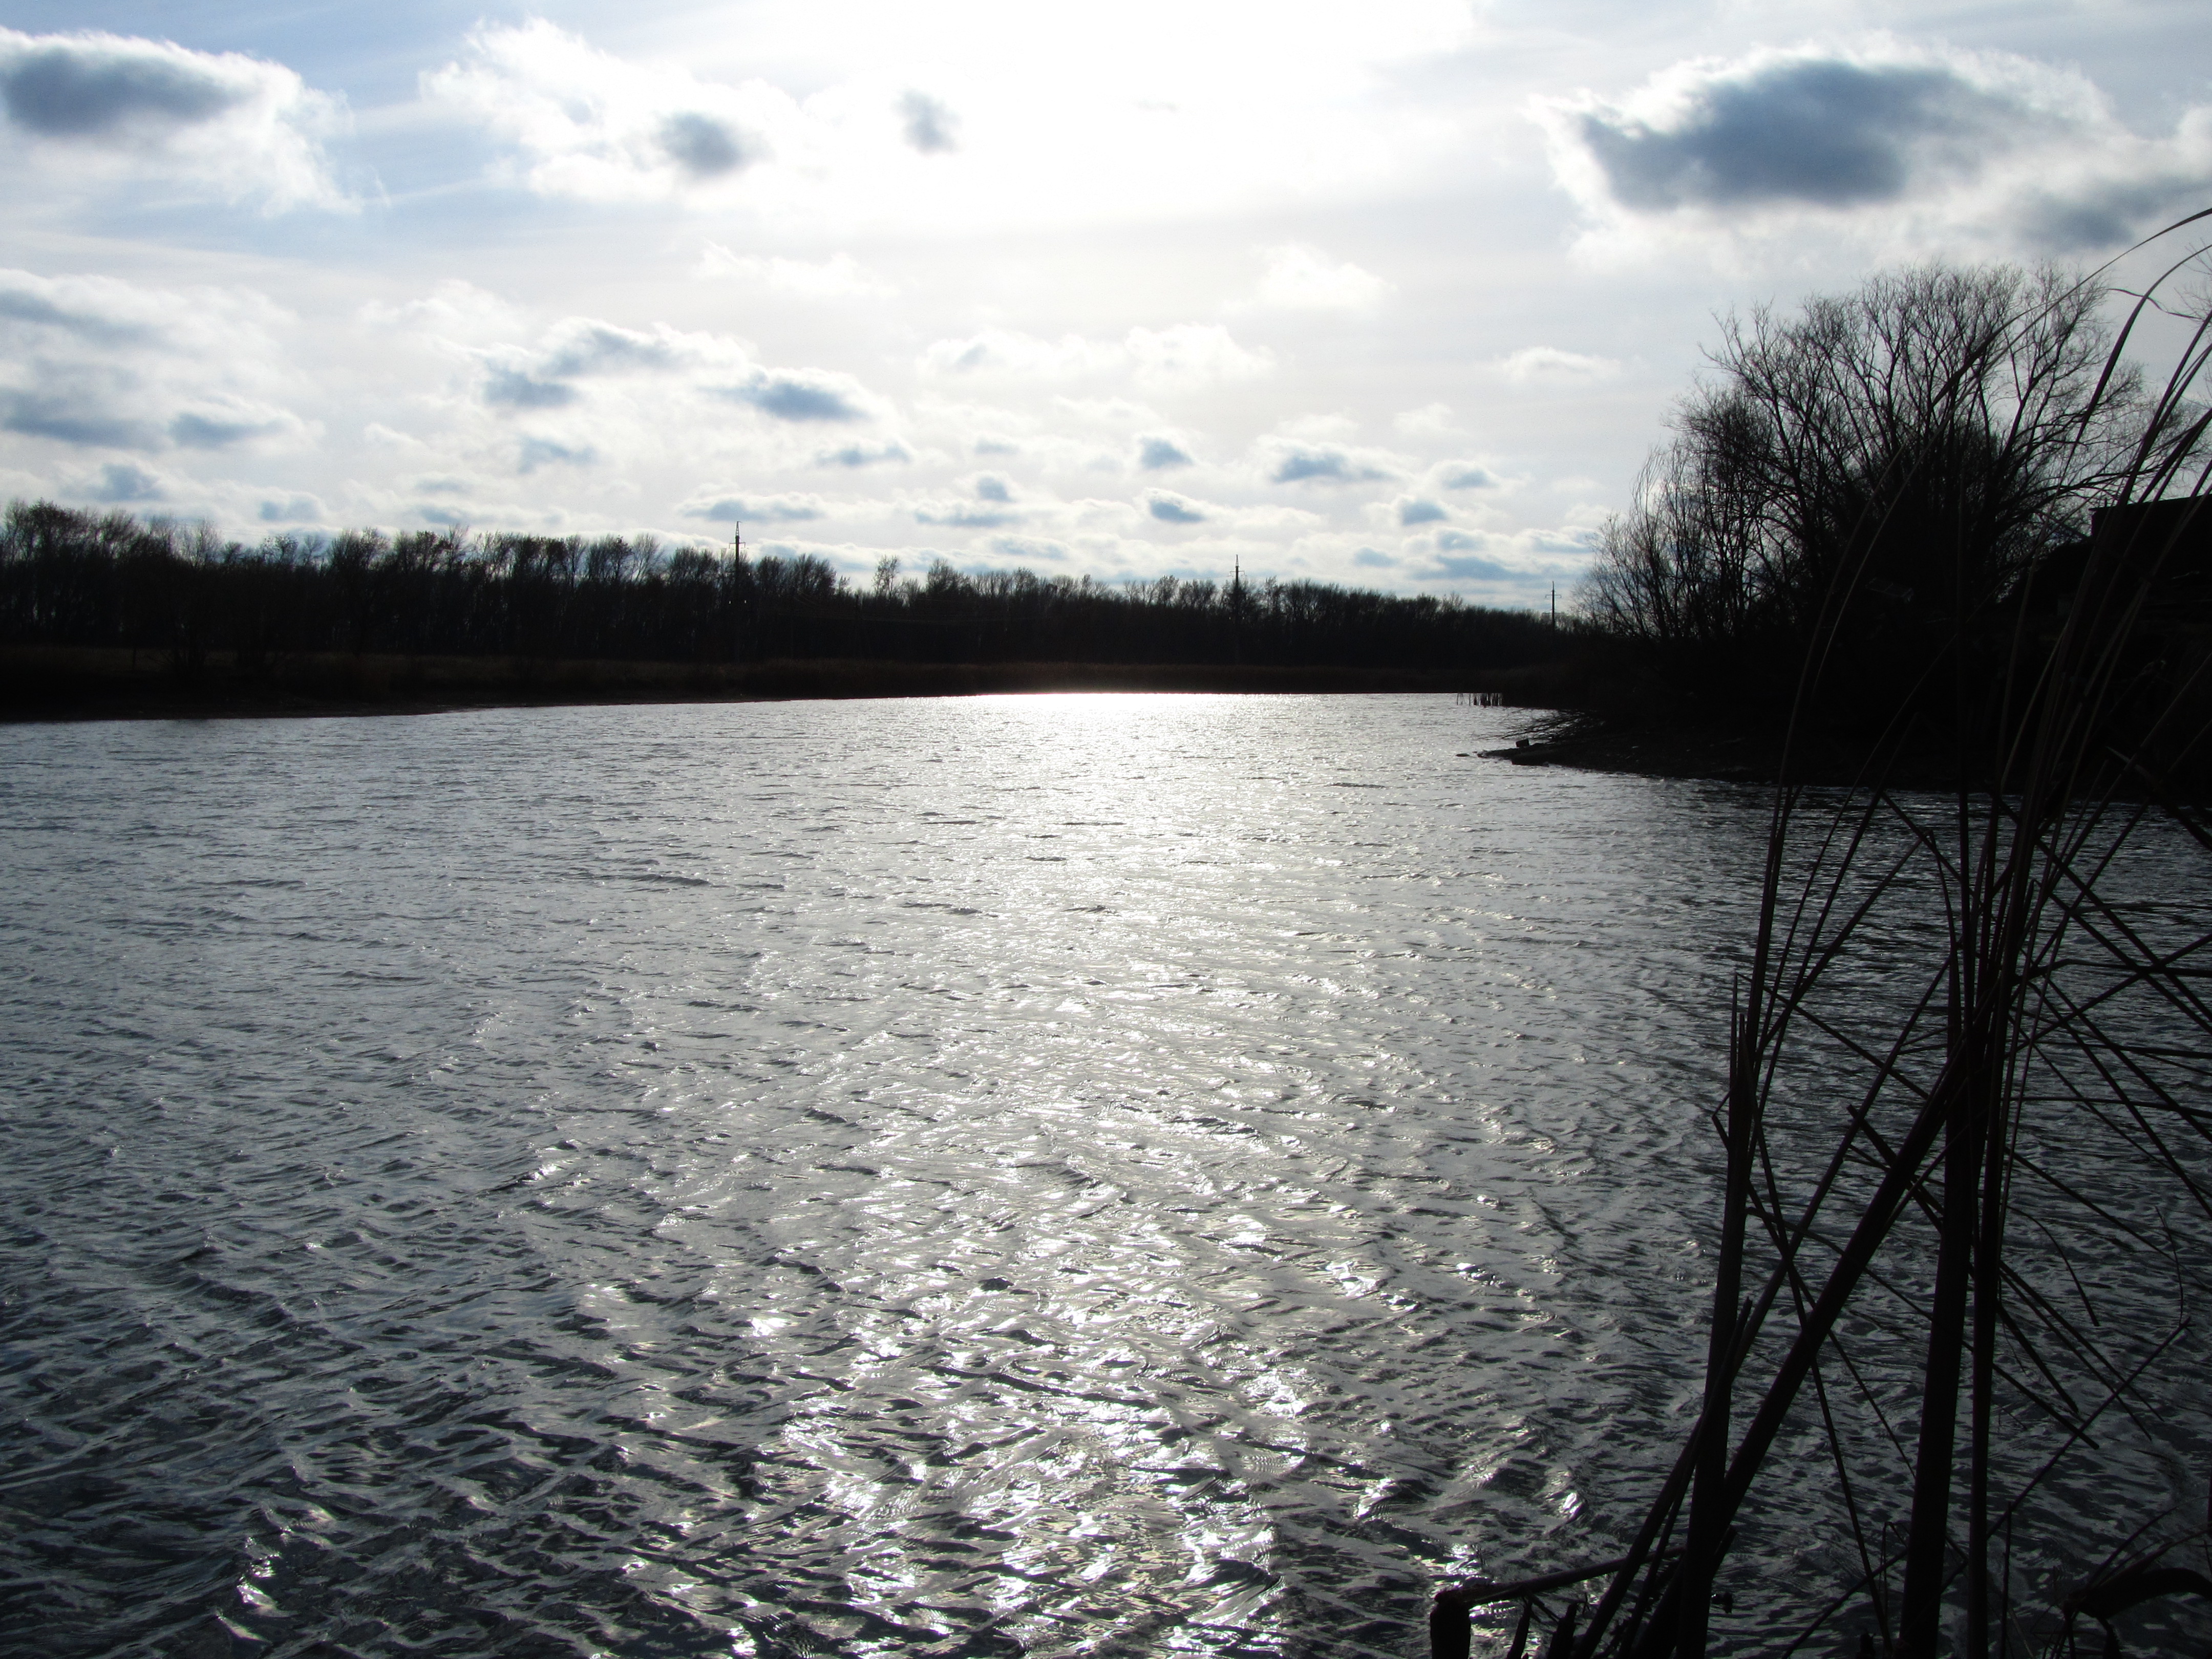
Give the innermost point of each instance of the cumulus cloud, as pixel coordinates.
(803, 395)
(1186, 355)
(928, 125)
(1466, 474)
(585, 124)
(545, 451)
(1535, 363)
(1170, 508)
(1470, 567)
(579, 351)
(1369, 559)
(1300, 463)
(1023, 549)
(859, 455)
(1301, 278)
(290, 509)
(1821, 130)
(95, 362)
(1429, 421)
(787, 508)
(1156, 454)
(116, 108)
(125, 481)
(1005, 352)
(701, 146)
(1415, 510)
(1900, 144)
(221, 423)
(966, 515)
(1191, 355)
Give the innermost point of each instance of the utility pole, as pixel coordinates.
(1236, 611)
(1555, 604)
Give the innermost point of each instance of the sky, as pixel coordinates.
(1397, 294)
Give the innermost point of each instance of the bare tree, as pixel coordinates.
(1906, 452)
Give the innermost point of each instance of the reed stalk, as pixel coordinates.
(1967, 1138)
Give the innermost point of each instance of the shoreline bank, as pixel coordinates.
(40, 683)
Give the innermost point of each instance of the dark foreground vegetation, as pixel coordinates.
(105, 612)
(1952, 1400)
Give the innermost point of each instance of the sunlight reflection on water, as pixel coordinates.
(1053, 1174)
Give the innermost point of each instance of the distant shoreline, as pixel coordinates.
(40, 684)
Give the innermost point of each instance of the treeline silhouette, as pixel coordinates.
(76, 578)
(1867, 509)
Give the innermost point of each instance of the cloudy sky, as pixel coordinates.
(1396, 293)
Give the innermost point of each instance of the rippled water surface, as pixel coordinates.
(1024, 1175)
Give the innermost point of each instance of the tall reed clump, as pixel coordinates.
(1955, 1393)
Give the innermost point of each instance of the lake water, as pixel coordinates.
(1010, 1175)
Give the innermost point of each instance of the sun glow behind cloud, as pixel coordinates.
(1057, 115)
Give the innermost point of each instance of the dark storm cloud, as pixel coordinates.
(930, 127)
(1301, 462)
(701, 146)
(1154, 454)
(89, 89)
(1826, 131)
(1169, 509)
(795, 397)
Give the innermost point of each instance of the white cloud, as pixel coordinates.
(928, 125)
(1292, 461)
(93, 362)
(1186, 355)
(587, 124)
(1169, 508)
(1300, 278)
(838, 277)
(1189, 355)
(117, 109)
(1429, 421)
(732, 507)
(1549, 363)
